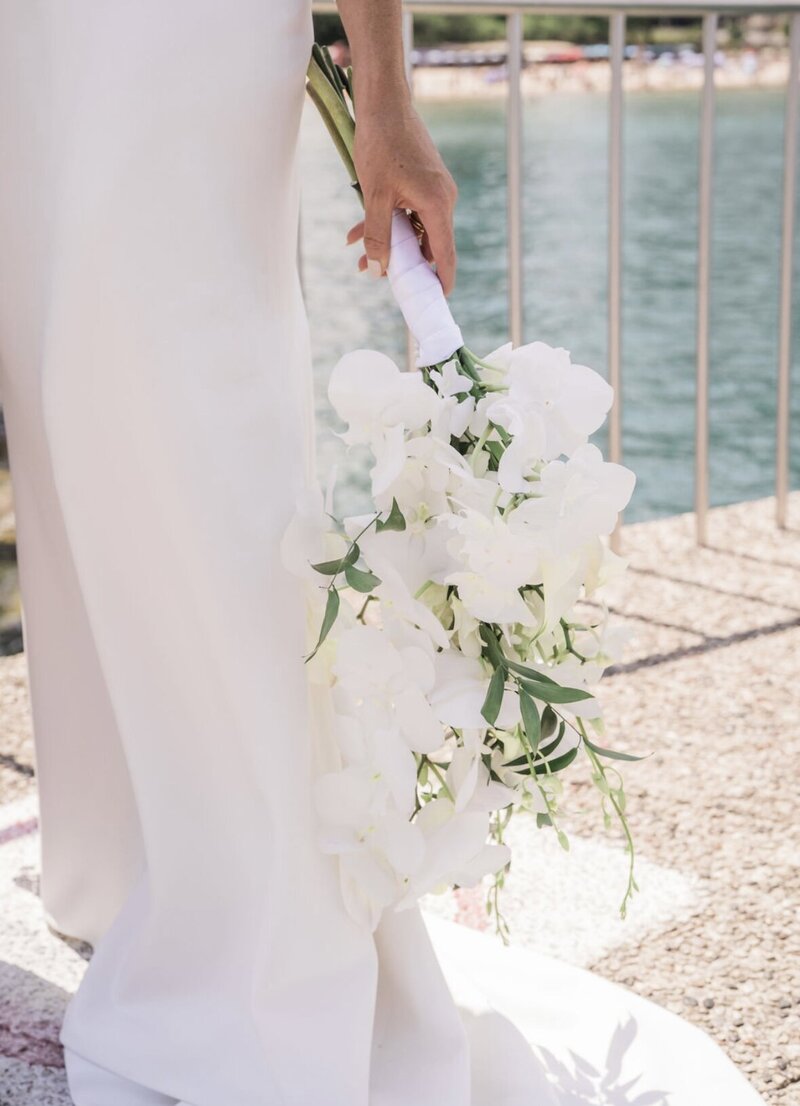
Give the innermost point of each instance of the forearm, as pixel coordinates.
(374, 30)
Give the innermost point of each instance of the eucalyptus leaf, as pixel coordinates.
(494, 696)
(328, 619)
(612, 754)
(496, 655)
(394, 521)
(529, 673)
(332, 568)
(530, 719)
(549, 722)
(495, 449)
(556, 765)
(360, 580)
(548, 750)
(554, 693)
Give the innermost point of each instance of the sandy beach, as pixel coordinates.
(768, 69)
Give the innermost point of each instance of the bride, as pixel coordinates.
(154, 367)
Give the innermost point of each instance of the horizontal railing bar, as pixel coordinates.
(587, 7)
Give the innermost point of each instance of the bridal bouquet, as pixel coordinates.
(457, 624)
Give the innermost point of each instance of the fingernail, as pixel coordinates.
(374, 268)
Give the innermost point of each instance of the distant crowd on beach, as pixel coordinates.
(480, 70)
(563, 66)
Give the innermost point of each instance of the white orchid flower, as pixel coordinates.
(378, 851)
(390, 451)
(479, 421)
(499, 362)
(603, 566)
(523, 456)
(572, 400)
(470, 784)
(477, 492)
(490, 600)
(449, 381)
(494, 563)
(419, 553)
(309, 537)
(453, 418)
(580, 500)
(388, 685)
(421, 484)
(460, 690)
(456, 851)
(370, 393)
(383, 754)
(465, 629)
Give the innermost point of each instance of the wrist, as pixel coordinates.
(381, 86)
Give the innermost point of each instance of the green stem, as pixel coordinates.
(359, 535)
(335, 113)
(441, 780)
(621, 818)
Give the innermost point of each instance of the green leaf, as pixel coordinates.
(557, 765)
(612, 754)
(518, 762)
(549, 722)
(554, 693)
(360, 580)
(332, 568)
(548, 750)
(328, 619)
(530, 719)
(495, 449)
(529, 673)
(394, 521)
(494, 696)
(496, 655)
(543, 820)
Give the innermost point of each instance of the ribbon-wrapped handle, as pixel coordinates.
(420, 297)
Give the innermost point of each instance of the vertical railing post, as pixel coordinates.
(782, 436)
(514, 37)
(615, 169)
(704, 278)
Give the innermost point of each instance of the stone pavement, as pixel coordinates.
(709, 687)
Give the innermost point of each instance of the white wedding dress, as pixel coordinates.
(156, 385)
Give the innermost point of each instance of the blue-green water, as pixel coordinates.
(565, 246)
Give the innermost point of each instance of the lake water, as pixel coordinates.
(565, 199)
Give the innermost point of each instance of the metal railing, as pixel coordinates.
(617, 16)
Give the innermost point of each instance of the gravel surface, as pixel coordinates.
(16, 749)
(709, 689)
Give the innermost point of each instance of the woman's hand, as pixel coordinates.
(399, 167)
(396, 161)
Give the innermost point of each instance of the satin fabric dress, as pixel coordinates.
(155, 379)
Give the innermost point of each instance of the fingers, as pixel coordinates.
(355, 233)
(437, 242)
(440, 242)
(377, 235)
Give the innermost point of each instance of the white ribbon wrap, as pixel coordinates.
(420, 297)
